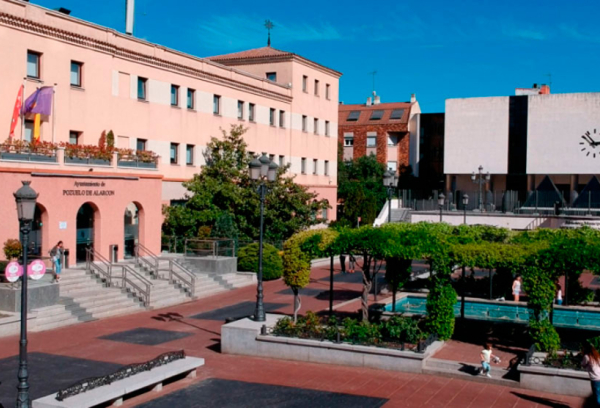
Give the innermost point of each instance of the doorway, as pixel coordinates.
(85, 230)
(132, 230)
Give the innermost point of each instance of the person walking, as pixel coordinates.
(486, 356)
(56, 256)
(559, 299)
(591, 363)
(343, 262)
(352, 262)
(516, 288)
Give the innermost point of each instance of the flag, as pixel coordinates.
(16, 111)
(36, 127)
(40, 101)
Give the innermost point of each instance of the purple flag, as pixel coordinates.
(40, 101)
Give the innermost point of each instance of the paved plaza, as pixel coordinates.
(60, 357)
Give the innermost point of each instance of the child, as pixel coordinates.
(486, 355)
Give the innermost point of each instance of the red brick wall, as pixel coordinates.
(360, 140)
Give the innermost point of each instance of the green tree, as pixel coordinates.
(360, 188)
(272, 263)
(224, 186)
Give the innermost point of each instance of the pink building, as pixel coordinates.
(153, 99)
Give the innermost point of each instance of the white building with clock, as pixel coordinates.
(523, 138)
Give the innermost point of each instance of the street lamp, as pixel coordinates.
(465, 202)
(441, 199)
(480, 179)
(25, 198)
(261, 169)
(390, 181)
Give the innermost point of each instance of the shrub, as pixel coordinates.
(440, 311)
(544, 335)
(12, 248)
(272, 262)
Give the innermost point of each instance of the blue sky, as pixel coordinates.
(435, 49)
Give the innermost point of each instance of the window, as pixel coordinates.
(349, 140)
(392, 140)
(397, 114)
(281, 118)
(76, 73)
(316, 126)
(316, 87)
(141, 144)
(315, 166)
(392, 165)
(371, 141)
(189, 155)
(304, 83)
(217, 105)
(74, 137)
(272, 76)
(191, 97)
(303, 165)
(326, 168)
(353, 116)
(376, 115)
(251, 112)
(174, 95)
(142, 94)
(304, 123)
(240, 109)
(174, 153)
(33, 64)
(326, 128)
(281, 161)
(272, 117)
(28, 130)
(327, 91)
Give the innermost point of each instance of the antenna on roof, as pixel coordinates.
(549, 80)
(269, 25)
(373, 73)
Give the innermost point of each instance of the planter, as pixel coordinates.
(243, 337)
(28, 157)
(136, 164)
(555, 380)
(88, 161)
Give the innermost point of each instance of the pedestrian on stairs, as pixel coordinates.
(56, 256)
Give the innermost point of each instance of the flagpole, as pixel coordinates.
(53, 110)
(23, 110)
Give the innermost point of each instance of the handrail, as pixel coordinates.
(208, 247)
(90, 263)
(143, 293)
(191, 284)
(152, 263)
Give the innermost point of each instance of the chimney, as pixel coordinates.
(545, 90)
(130, 7)
(376, 100)
(63, 10)
(413, 98)
(369, 101)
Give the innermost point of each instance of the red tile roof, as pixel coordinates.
(365, 113)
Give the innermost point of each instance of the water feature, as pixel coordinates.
(578, 317)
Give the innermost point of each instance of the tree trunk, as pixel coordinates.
(365, 296)
(297, 303)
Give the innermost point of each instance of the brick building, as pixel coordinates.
(387, 130)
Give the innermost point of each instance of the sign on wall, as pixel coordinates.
(89, 188)
(62, 225)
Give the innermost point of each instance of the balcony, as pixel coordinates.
(42, 152)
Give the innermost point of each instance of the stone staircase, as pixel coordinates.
(83, 298)
(401, 215)
(573, 224)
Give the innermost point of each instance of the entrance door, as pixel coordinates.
(35, 237)
(85, 231)
(131, 230)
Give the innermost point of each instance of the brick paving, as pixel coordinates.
(400, 389)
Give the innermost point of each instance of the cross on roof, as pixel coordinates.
(269, 26)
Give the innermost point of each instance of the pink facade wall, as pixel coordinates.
(107, 100)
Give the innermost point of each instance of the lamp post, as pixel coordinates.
(25, 198)
(390, 181)
(480, 179)
(441, 199)
(465, 202)
(261, 169)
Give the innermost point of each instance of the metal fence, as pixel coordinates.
(208, 247)
(490, 200)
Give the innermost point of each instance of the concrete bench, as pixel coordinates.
(117, 390)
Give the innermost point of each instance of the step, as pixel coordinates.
(63, 323)
(129, 310)
(454, 369)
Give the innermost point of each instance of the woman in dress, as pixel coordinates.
(516, 288)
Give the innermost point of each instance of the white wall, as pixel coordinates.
(555, 126)
(476, 133)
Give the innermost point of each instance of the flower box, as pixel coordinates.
(26, 156)
(136, 164)
(87, 161)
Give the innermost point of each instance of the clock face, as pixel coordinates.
(590, 144)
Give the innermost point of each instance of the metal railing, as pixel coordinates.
(133, 282)
(208, 247)
(150, 261)
(182, 276)
(96, 263)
